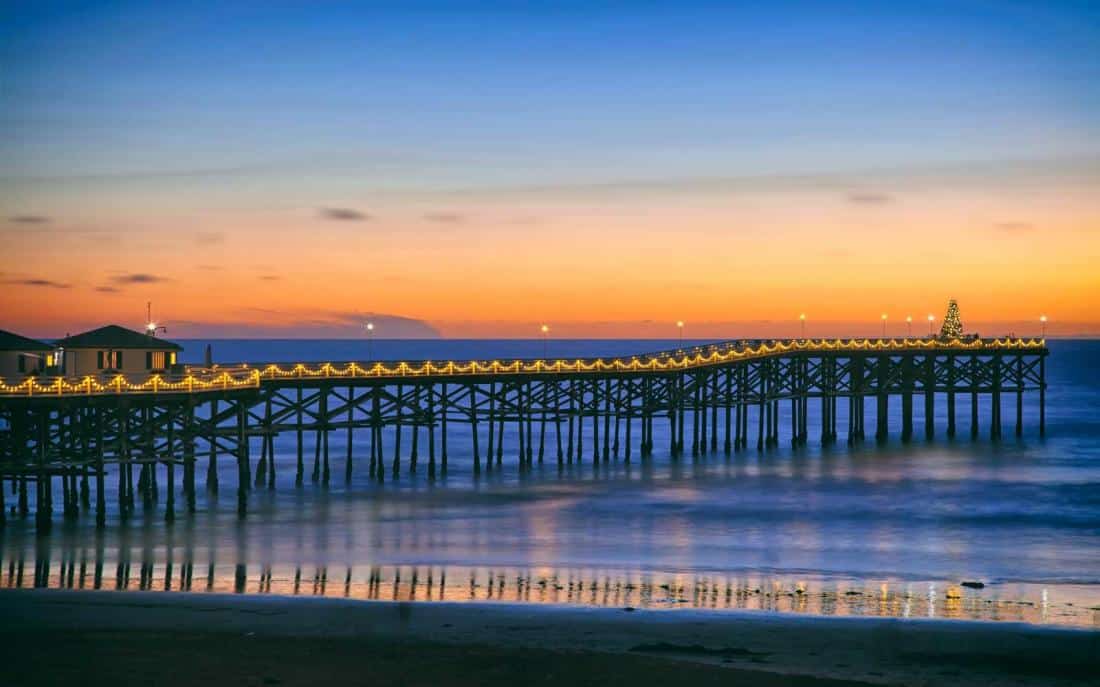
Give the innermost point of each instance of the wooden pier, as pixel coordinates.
(62, 439)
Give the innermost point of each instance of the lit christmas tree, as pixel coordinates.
(952, 325)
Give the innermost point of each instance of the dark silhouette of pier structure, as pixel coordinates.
(72, 435)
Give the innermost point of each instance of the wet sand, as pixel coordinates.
(176, 639)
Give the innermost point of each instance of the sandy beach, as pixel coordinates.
(175, 639)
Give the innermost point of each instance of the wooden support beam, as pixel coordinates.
(473, 428)
(882, 431)
(491, 418)
(430, 422)
(1042, 394)
(300, 443)
(929, 396)
(975, 376)
(100, 482)
(951, 382)
(415, 413)
(398, 414)
(242, 459)
(995, 398)
(1018, 380)
(350, 439)
(607, 420)
(444, 405)
(907, 378)
(525, 412)
(212, 462)
(557, 421)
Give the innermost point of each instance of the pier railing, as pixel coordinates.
(239, 376)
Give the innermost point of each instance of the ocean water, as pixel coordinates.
(887, 529)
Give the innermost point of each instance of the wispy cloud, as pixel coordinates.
(209, 238)
(345, 160)
(982, 173)
(526, 220)
(138, 278)
(1014, 228)
(869, 198)
(344, 214)
(270, 277)
(28, 219)
(265, 322)
(108, 289)
(32, 281)
(445, 217)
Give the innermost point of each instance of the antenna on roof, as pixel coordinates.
(151, 327)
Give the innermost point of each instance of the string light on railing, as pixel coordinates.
(252, 377)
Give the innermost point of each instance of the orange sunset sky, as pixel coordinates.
(522, 171)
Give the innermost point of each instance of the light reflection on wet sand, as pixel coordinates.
(152, 571)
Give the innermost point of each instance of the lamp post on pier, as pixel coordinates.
(680, 328)
(545, 334)
(1043, 322)
(884, 325)
(802, 324)
(931, 319)
(370, 340)
(909, 326)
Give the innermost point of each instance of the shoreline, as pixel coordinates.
(802, 594)
(869, 650)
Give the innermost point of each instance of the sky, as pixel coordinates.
(467, 169)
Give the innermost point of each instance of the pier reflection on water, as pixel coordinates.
(157, 569)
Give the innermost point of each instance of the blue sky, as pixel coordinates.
(568, 92)
(487, 167)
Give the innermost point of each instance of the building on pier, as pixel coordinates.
(114, 349)
(20, 356)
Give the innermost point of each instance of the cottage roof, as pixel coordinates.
(114, 336)
(14, 342)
